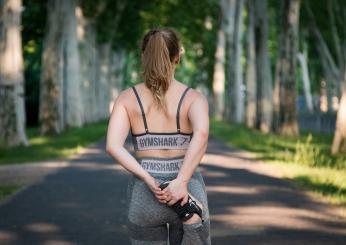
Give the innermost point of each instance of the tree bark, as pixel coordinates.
(117, 65)
(302, 58)
(12, 109)
(60, 98)
(103, 94)
(235, 81)
(219, 67)
(89, 66)
(251, 93)
(230, 26)
(287, 74)
(340, 130)
(264, 77)
(74, 106)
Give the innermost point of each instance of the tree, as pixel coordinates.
(303, 60)
(219, 66)
(60, 98)
(235, 99)
(340, 130)
(287, 124)
(250, 74)
(263, 72)
(12, 110)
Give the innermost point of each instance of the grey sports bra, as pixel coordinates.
(160, 140)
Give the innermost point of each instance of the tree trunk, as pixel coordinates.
(287, 57)
(117, 65)
(264, 77)
(219, 67)
(60, 99)
(230, 26)
(74, 105)
(276, 97)
(302, 58)
(235, 81)
(340, 130)
(238, 89)
(89, 66)
(104, 80)
(12, 109)
(251, 93)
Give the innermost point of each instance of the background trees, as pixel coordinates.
(78, 56)
(12, 109)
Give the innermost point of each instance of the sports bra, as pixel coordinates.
(160, 140)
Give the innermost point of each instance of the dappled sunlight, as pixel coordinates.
(42, 227)
(262, 215)
(58, 242)
(231, 189)
(8, 236)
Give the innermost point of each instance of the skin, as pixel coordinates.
(118, 129)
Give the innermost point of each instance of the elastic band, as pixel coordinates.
(178, 110)
(161, 166)
(142, 110)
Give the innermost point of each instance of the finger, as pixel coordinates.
(184, 201)
(172, 201)
(161, 198)
(156, 188)
(157, 191)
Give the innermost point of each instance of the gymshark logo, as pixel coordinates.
(169, 141)
(157, 167)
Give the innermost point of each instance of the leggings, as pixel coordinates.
(155, 223)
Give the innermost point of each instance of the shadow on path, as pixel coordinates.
(84, 203)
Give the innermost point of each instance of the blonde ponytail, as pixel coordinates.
(160, 47)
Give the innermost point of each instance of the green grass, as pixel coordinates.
(305, 159)
(8, 190)
(70, 142)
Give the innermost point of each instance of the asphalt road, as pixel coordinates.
(82, 201)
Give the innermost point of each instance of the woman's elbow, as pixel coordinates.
(111, 149)
(202, 134)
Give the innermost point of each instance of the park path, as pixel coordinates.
(81, 201)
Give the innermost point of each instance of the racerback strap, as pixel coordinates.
(143, 114)
(178, 110)
(142, 110)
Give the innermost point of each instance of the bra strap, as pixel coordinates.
(142, 110)
(178, 110)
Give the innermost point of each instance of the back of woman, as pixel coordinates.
(169, 127)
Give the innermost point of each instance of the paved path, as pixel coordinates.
(82, 201)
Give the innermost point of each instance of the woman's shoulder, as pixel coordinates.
(194, 96)
(124, 96)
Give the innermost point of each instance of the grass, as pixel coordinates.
(305, 159)
(70, 142)
(8, 190)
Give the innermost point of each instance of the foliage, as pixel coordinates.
(304, 149)
(8, 190)
(33, 19)
(63, 145)
(304, 159)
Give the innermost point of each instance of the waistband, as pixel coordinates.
(161, 165)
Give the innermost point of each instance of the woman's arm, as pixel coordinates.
(199, 118)
(118, 129)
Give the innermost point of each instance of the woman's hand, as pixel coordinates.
(154, 187)
(175, 191)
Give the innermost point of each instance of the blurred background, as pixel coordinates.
(274, 73)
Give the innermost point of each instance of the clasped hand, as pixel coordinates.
(175, 191)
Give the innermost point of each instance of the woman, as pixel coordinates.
(167, 149)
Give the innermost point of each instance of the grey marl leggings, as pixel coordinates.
(154, 223)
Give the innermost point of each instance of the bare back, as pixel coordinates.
(156, 120)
